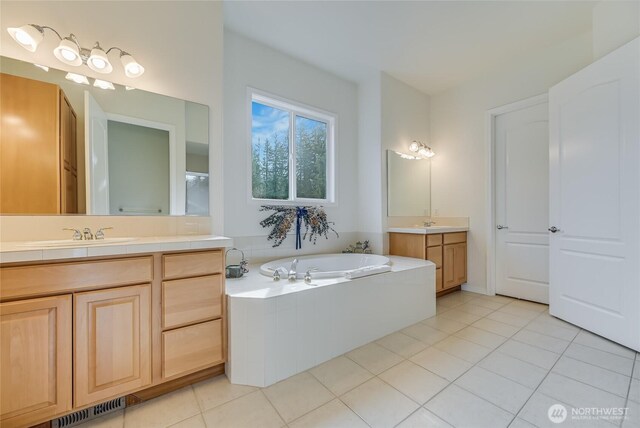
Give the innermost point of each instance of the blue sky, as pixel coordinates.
(267, 121)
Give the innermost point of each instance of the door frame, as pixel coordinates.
(490, 181)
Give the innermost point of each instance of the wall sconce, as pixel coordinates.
(70, 52)
(421, 149)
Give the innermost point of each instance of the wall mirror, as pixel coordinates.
(72, 145)
(408, 185)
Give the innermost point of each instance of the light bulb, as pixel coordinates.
(131, 67)
(27, 36)
(414, 146)
(67, 51)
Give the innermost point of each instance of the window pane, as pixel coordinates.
(269, 152)
(311, 158)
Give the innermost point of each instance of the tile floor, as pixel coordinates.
(482, 361)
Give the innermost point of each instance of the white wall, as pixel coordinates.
(193, 74)
(248, 63)
(615, 23)
(369, 196)
(405, 117)
(458, 135)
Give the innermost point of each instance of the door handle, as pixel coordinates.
(554, 229)
(500, 227)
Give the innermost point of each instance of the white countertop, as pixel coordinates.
(428, 230)
(11, 252)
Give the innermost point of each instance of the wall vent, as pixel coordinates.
(85, 415)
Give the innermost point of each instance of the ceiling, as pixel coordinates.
(430, 45)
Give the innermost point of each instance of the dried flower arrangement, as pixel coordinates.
(314, 219)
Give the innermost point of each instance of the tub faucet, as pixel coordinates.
(292, 270)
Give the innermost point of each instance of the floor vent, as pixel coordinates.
(85, 415)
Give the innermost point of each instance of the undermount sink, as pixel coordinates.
(76, 243)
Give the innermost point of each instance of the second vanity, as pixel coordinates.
(92, 323)
(445, 246)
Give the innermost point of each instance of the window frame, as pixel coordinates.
(294, 109)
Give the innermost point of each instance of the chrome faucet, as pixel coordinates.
(87, 235)
(77, 235)
(292, 270)
(100, 233)
(429, 223)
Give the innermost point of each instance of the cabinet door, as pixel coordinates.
(35, 351)
(448, 266)
(69, 191)
(112, 343)
(460, 263)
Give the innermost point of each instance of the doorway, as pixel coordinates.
(519, 256)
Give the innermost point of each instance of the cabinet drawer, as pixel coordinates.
(187, 301)
(191, 348)
(434, 254)
(32, 280)
(454, 238)
(191, 264)
(433, 240)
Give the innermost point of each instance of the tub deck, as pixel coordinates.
(279, 329)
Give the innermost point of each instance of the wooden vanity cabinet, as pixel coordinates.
(38, 169)
(448, 251)
(35, 360)
(80, 332)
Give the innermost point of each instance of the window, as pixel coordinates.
(291, 151)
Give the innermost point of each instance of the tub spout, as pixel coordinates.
(293, 270)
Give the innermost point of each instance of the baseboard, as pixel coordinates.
(474, 289)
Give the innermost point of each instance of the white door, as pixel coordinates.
(521, 138)
(97, 156)
(594, 123)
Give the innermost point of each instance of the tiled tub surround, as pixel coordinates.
(279, 329)
(502, 364)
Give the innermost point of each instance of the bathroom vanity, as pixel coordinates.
(445, 246)
(79, 328)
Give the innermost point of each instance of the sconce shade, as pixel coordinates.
(67, 52)
(77, 78)
(103, 84)
(98, 61)
(27, 36)
(131, 66)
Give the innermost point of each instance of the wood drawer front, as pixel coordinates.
(439, 279)
(22, 281)
(191, 264)
(434, 254)
(433, 240)
(455, 237)
(192, 348)
(187, 301)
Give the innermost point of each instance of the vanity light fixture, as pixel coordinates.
(421, 149)
(69, 50)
